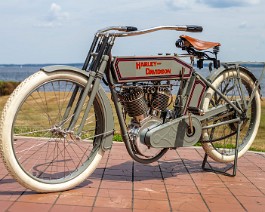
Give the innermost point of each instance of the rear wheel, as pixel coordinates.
(221, 140)
(37, 148)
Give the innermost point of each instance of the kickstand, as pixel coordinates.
(233, 166)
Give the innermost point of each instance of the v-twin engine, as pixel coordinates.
(144, 104)
(140, 102)
(152, 126)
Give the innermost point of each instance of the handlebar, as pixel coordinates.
(117, 28)
(125, 31)
(194, 28)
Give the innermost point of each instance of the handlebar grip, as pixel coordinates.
(131, 29)
(194, 28)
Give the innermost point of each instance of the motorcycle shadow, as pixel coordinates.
(161, 170)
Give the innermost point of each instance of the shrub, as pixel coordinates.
(6, 88)
(117, 137)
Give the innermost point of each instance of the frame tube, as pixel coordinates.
(218, 92)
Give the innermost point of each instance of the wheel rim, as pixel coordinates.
(43, 147)
(223, 138)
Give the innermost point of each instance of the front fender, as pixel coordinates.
(64, 68)
(101, 94)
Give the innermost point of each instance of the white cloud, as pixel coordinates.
(179, 4)
(243, 25)
(56, 13)
(55, 17)
(188, 4)
(229, 3)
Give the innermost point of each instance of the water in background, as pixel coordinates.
(20, 72)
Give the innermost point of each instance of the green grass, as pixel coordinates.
(259, 143)
(117, 137)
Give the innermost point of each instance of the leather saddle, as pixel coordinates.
(198, 44)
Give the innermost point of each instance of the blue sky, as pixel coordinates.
(44, 31)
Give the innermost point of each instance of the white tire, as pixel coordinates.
(29, 143)
(222, 150)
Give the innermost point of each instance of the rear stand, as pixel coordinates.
(228, 167)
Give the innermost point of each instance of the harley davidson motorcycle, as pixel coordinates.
(58, 123)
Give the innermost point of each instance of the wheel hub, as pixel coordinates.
(63, 133)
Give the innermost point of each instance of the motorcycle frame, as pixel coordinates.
(97, 64)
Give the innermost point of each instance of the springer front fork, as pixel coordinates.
(95, 63)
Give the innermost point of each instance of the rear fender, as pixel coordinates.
(219, 71)
(101, 94)
(226, 67)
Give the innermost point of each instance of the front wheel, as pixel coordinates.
(220, 141)
(38, 150)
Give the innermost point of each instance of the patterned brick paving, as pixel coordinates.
(174, 183)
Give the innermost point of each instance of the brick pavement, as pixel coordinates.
(174, 183)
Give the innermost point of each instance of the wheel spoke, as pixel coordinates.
(42, 144)
(222, 139)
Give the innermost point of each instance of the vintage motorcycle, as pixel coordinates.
(58, 123)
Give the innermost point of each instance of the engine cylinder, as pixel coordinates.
(160, 99)
(133, 101)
